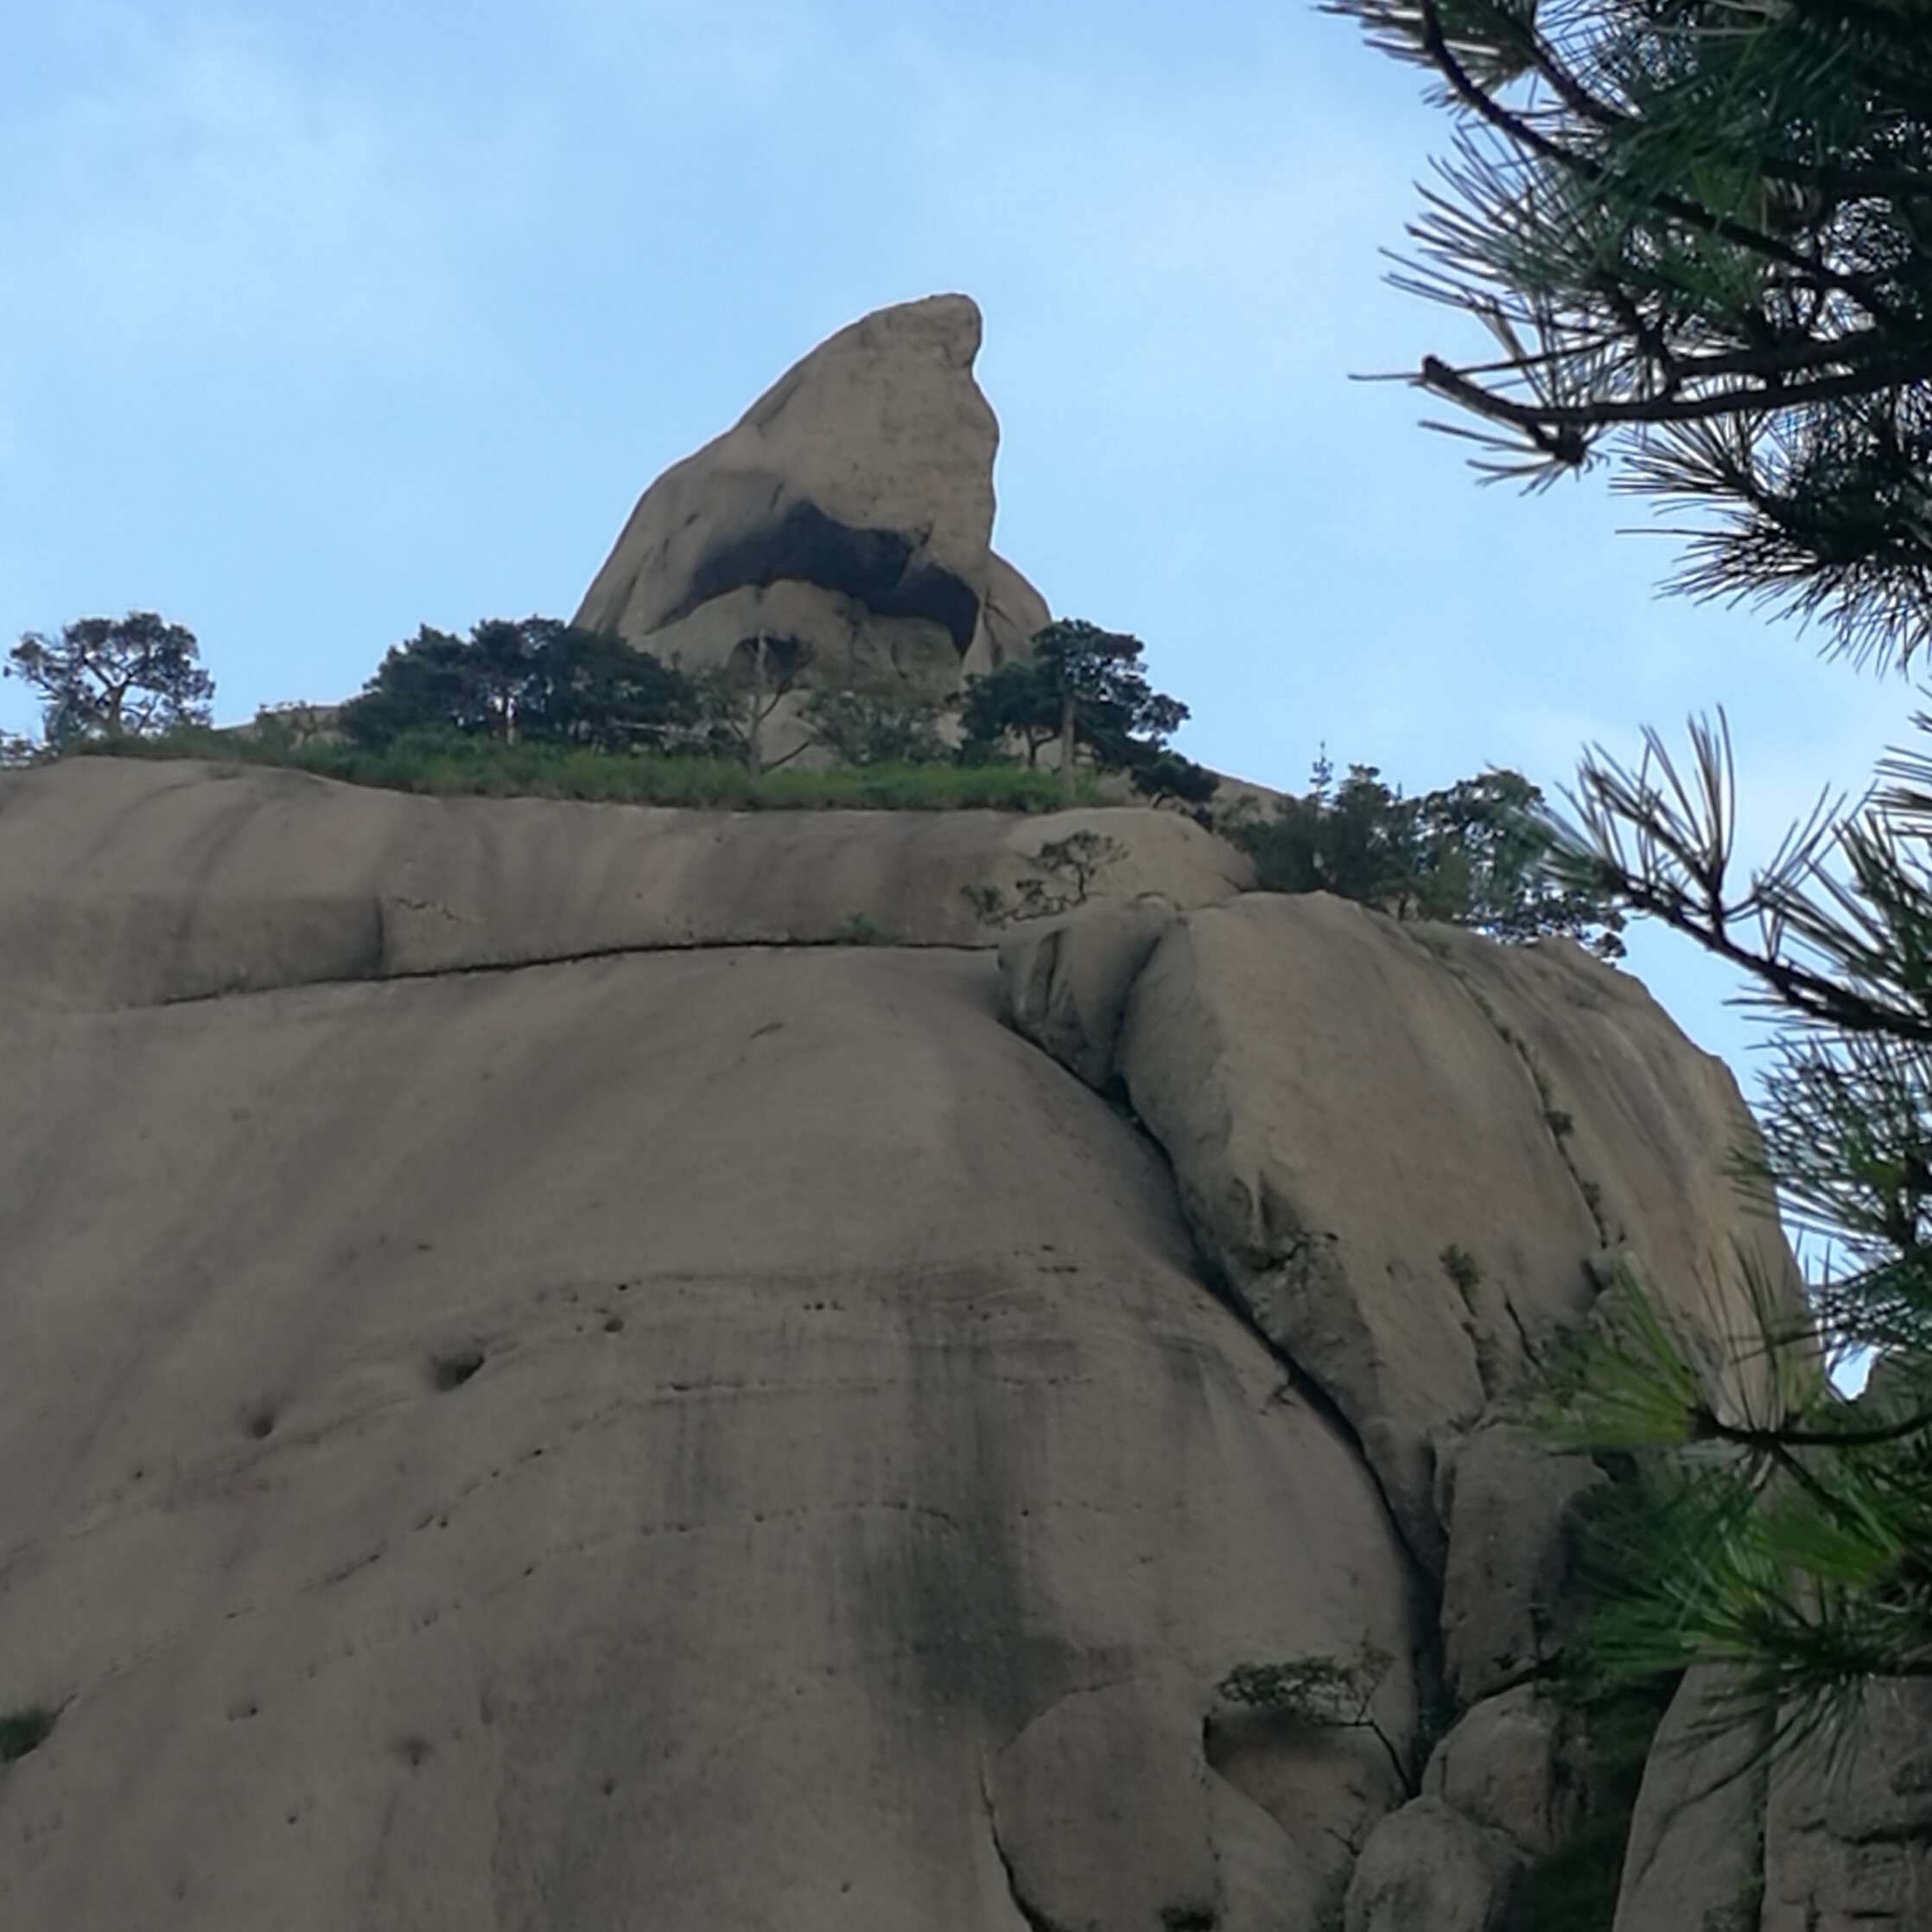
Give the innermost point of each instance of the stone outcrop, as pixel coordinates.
(126, 882)
(1726, 1840)
(719, 1436)
(847, 516)
(1695, 1856)
(1429, 1869)
(1505, 1765)
(1269, 1044)
(547, 1376)
(1849, 1849)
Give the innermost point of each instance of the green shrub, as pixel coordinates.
(883, 723)
(1474, 855)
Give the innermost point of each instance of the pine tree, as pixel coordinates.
(110, 678)
(1791, 1538)
(1473, 854)
(1700, 234)
(1084, 688)
(535, 680)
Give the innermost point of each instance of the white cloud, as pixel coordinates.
(198, 197)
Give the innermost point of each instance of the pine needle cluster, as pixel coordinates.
(1698, 233)
(1787, 1531)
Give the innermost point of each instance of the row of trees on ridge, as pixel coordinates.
(1474, 854)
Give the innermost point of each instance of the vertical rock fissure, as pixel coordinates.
(1037, 1920)
(1430, 1661)
(1429, 1657)
(1219, 1282)
(1588, 1191)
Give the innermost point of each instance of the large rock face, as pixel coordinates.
(849, 512)
(541, 1389)
(706, 1437)
(1319, 1077)
(126, 883)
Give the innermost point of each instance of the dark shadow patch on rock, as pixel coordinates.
(25, 1730)
(872, 567)
(453, 1369)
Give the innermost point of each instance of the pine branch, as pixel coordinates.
(1558, 427)
(1517, 129)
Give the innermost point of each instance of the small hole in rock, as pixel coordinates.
(613, 1324)
(262, 1423)
(452, 1370)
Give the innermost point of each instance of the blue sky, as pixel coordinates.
(323, 323)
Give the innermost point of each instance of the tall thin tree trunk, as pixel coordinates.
(755, 761)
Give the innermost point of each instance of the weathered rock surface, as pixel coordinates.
(1504, 1765)
(649, 1440)
(1651, 1130)
(1694, 1862)
(850, 511)
(1106, 1815)
(686, 1437)
(1267, 1053)
(129, 882)
(1065, 985)
(1727, 1840)
(1504, 1505)
(540, 1389)
(1850, 1849)
(1429, 1869)
(1270, 1043)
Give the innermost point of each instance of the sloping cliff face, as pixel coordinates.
(539, 1389)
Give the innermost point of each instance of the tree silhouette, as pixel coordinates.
(110, 678)
(1698, 233)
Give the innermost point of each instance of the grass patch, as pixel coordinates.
(24, 1731)
(476, 767)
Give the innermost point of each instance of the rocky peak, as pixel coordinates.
(848, 515)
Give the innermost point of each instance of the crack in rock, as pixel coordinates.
(1036, 1920)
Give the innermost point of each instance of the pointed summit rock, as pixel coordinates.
(849, 514)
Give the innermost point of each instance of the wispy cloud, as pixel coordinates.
(198, 197)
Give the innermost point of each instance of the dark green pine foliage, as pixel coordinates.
(1084, 688)
(1473, 854)
(105, 679)
(1788, 1533)
(537, 681)
(1698, 234)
